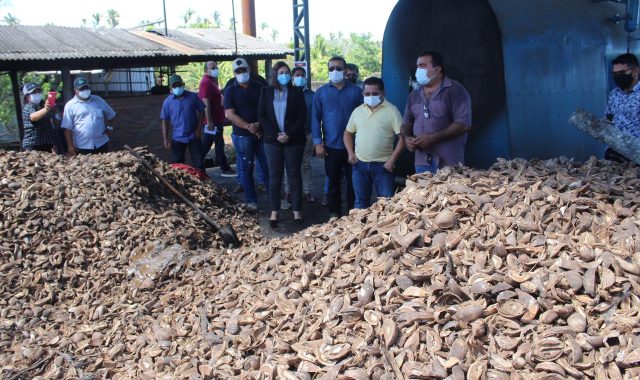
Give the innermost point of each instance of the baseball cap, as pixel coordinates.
(80, 82)
(240, 63)
(174, 79)
(29, 88)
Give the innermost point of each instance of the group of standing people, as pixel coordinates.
(348, 123)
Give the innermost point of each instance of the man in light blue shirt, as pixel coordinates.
(87, 121)
(333, 104)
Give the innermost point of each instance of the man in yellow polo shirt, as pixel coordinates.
(375, 124)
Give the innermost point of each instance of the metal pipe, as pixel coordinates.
(249, 27)
(235, 21)
(164, 10)
(249, 17)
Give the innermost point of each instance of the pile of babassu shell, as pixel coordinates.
(68, 229)
(528, 270)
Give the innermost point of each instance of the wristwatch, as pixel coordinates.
(109, 128)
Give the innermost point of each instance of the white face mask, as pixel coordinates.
(242, 78)
(422, 76)
(336, 76)
(214, 73)
(35, 98)
(84, 94)
(373, 101)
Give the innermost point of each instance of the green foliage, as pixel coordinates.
(10, 19)
(359, 49)
(113, 18)
(7, 108)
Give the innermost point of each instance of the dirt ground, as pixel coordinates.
(313, 213)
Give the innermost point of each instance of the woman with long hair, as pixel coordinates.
(282, 114)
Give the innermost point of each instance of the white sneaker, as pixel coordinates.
(252, 207)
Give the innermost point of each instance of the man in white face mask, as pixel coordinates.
(375, 125)
(437, 117)
(211, 96)
(87, 121)
(332, 107)
(241, 99)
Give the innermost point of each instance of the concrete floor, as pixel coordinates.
(313, 213)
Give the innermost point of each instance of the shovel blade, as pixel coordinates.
(229, 236)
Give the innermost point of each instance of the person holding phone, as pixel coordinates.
(39, 131)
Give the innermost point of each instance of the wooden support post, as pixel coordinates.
(15, 85)
(267, 70)
(67, 84)
(605, 132)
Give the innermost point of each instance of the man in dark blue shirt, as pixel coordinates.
(332, 107)
(241, 108)
(185, 111)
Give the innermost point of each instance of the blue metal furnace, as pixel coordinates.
(528, 64)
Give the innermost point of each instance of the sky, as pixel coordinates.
(326, 16)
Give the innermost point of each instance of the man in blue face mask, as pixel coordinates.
(182, 115)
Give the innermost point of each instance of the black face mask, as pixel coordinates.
(623, 80)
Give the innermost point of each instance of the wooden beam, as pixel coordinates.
(15, 86)
(67, 84)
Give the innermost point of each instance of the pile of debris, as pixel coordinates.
(69, 227)
(526, 270)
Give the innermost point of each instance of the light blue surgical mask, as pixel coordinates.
(299, 81)
(284, 79)
(243, 78)
(422, 76)
(178, 91)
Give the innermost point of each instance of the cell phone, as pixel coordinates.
(51, 99)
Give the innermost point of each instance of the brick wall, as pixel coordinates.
(138, 123)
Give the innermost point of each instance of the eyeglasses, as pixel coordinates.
(176, 85)
(425, 111)
(241, 70)
(336, 68)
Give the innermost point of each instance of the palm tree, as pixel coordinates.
(217, 23)
(84, 22)
(112, 18)
(232, 23)
(274, 34)
(187, 16)
(96, 19)
(11, 19)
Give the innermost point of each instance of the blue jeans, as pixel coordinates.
(178, 150)
(259, 170)
(369, 174)
(248, 149)
(208, 140)
(433, 168)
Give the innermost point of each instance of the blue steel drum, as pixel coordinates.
(528, 65)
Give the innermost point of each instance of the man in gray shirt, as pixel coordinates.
(87, 121)
(437, 116)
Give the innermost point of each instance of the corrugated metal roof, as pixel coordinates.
(55, 42)
(221, 42)
(23, 42)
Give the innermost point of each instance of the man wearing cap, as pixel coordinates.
(211, 96)
(241, 106)
(87, 121)
(181, 115)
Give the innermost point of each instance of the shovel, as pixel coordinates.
(226, 232)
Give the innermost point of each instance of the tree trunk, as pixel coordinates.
(604, 131)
